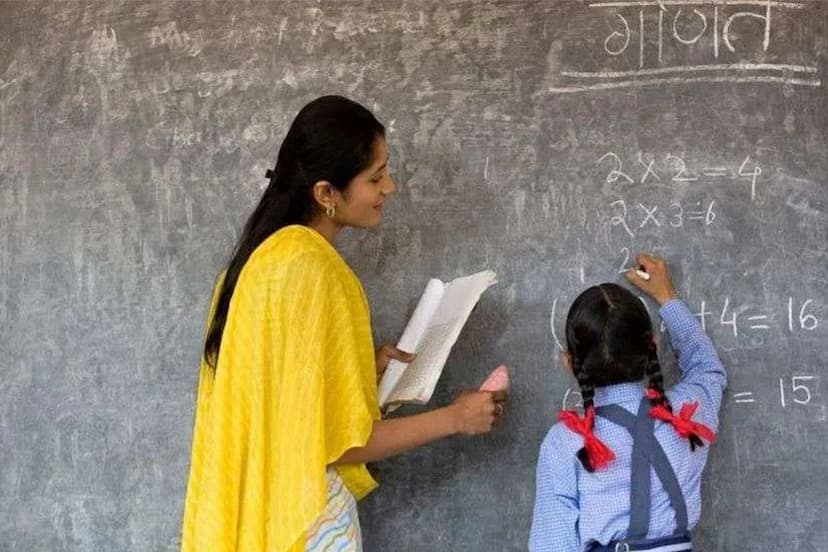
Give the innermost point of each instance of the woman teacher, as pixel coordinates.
(287, 412)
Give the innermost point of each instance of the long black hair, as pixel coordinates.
(331, 139)
(610, 340)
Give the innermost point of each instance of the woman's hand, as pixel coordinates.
(386, 353)
(475, 413)
(660, 284)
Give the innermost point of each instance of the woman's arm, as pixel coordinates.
(471, 414)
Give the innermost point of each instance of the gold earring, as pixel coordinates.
(330, 210)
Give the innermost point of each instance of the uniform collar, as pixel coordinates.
(621, 393)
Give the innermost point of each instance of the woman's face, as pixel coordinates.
(361, 204)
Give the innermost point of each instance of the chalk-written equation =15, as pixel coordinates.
(799, 390)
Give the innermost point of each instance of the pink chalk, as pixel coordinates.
(498, 380)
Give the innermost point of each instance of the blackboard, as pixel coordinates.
(548, 141)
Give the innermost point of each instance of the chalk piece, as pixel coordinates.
(498, 380)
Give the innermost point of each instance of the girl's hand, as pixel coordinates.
(660, 285)
(388, 352)
(475, 412)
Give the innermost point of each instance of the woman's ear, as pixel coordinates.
(324, 195)
(566, 360)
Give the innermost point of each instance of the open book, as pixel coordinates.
(431, 332)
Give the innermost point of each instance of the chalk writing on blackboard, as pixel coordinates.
(792, 316)
(673, 168)
(654, 35)
(793, 390)
(676, 215)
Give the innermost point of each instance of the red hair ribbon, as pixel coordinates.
(683, 423)
(599, 454)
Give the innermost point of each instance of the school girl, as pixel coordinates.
(626, 474)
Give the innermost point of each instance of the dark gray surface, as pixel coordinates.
(133, 142)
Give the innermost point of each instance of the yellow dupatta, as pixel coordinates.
(294, 388)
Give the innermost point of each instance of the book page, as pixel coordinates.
(434, 350)
(411, 336)
(417, 382)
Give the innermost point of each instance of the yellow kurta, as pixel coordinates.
(294, 388)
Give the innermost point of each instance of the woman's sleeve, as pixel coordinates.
(332, 326)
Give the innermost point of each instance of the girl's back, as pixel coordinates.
(578, 508)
